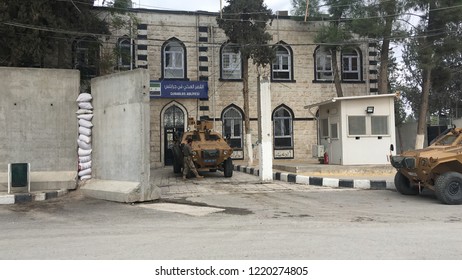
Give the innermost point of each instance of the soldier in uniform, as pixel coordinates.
(188, 164)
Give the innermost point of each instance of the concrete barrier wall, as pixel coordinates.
(38, 124)
(120, 138)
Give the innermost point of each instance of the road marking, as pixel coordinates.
(183, 208)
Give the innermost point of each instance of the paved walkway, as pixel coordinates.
(173, 186)
(310, 175)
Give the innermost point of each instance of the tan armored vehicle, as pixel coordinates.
(437, 167)
(210, 151)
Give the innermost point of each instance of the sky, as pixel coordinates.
(203, 5)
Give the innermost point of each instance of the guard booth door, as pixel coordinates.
(174, 121)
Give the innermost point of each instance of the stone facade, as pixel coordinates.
(203, 40)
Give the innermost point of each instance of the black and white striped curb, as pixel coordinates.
(321, 181)
(29, 197)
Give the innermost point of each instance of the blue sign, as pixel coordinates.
(178, 89)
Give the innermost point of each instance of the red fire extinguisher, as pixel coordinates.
(326, 158)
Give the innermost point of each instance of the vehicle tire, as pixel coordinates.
(228, 167)
(403, 185)
(177, 159)
(448, 188)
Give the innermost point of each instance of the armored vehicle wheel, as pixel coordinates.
(177, 162)
(228, 167)
(403, 185)
(448, 188)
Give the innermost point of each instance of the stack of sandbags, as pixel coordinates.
(84, 116)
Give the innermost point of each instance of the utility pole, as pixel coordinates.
(306, 11)
(265, 137)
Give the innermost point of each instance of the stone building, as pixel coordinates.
(187, 49)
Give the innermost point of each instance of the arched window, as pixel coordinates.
(283, 130)
(232, 126)
(231, 62)
(282, 64)
(351, 66)
(174, 117)
(174, 60)
(124, 52)
(86, 56)
(323, 65)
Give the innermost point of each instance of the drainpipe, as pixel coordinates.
(197, 62)
(212, 38)
(318, 136)
(131, 45)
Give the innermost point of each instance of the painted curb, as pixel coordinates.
(29, 197)
(322, 181)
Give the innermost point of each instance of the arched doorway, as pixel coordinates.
(173, 124)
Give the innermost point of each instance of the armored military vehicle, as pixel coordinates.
(211, 152)
(437, 167)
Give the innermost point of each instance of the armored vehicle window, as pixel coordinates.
(212, 137)
(446, 140)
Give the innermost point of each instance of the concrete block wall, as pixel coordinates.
(38, 125)
(120, 138)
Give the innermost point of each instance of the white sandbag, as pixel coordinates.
(87, 117)
(85, 172)
(85, 123)
(84, 97)
(85, 105)
(81, 152)
(85, 131)
(84, 111)
(83, 145)
(85, 138)
(85, 177)
(84, 159)
(85, 165)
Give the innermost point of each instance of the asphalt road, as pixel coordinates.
(251, 221)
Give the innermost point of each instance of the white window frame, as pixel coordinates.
(323, 63)
(231, 63)
(373, 125)
(280, 121)
(123, 44)
(177, 59)
(350, 123)
(324, 123)
(278, 64)
(368, 126)
(233, 121)
(348, 65)
(333, 129)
